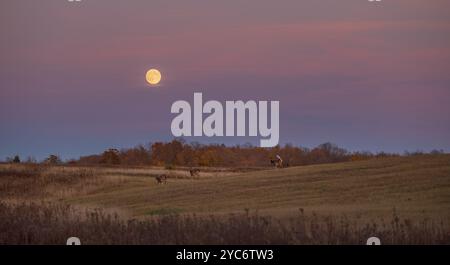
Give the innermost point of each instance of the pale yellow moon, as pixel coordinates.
(153, 76)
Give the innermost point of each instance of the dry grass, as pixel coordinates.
(54, 223)
(35, 181)
(351, 202)
(412, 185)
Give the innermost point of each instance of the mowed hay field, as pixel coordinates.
(411, 185)
(405, 200)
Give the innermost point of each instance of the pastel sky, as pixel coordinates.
(364, 75)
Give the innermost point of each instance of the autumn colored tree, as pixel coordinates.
(179, 153)
(111, 157)
(138, 155)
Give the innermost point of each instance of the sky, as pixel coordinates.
(365, 75)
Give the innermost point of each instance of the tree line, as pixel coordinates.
(180, 153)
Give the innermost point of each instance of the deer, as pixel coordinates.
(194, 172)
(278, 162)
(161, 179)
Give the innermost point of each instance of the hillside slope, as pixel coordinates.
(411, 185)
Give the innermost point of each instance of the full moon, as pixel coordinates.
(153, 76)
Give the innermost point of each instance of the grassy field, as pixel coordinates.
(362, 193)
(411, 185)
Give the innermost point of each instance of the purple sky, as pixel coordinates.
(367, 76)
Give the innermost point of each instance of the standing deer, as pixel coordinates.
(278, 162)
(161, 179)
(194, 172)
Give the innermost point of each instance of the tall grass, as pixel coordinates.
(23, 221)
(52, 223)
(31, 181)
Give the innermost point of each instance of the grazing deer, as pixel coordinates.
(194, 172)
(278, 162)
(161, 179)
